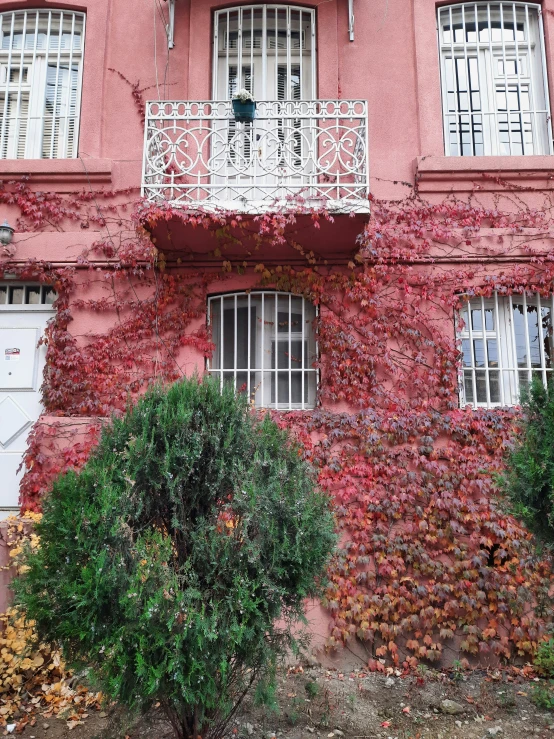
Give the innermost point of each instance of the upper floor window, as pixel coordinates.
(41, 64)
(268, 50)
(494, 85)
(506, 341)
(265, 346)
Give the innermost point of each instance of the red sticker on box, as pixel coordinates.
(12, 355)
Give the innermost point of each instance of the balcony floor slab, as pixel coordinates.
(333, 241)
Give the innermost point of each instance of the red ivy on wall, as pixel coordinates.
(429, 565)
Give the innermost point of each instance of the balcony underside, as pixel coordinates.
(333, 242)
(298, 155)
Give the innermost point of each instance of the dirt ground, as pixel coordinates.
(316, 703)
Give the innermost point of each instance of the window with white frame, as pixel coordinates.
(41, 65)
(268, 50)
(26, 294)
(265, 346)
(506, 341)
(273, 46)
(493, 77)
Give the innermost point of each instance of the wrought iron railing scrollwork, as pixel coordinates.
(197, 154)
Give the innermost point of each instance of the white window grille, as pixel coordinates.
(272, 45)
(265, 346)
(506, 341)
(494, 82)
(268, 50)
(41, 64)
(26, 294)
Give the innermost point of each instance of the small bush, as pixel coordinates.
(543, 696)
(529, 478)
(175, 564)
(544, 659)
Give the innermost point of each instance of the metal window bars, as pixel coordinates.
(265, 38)
(494, 79)
(274, 46)
(41, 64)
(265, 346)
(505, 342)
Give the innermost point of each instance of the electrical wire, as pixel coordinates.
(156, 51)
(139, 300)
(165, 22)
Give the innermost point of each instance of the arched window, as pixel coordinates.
(41, 64)
(268, 50)
(494, 86)
(265, 346)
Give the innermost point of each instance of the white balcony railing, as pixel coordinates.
(196, 154)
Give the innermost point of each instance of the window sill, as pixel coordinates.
(445, 174)
(65, 174)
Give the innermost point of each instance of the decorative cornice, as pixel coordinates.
(64, 174)
(491, 173)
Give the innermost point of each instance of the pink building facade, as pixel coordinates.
(353, 99)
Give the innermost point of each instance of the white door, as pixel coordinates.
(24, 313)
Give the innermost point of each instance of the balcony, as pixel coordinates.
(197, 156)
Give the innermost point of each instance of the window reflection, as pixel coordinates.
(508, 342)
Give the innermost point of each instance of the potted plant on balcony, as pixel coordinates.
(244, 106)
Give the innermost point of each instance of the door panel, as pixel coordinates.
(21, 367)
(18, 358)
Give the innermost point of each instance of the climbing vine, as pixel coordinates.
(429, 566)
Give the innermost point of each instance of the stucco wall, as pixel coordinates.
(392, 63)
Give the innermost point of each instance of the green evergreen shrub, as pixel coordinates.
(176, 563)
(529, 478)
(544, 659)
(543, 695)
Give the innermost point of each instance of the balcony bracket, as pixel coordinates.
(170, 27)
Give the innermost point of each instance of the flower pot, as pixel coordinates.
(244, 112)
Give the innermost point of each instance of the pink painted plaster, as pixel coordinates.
(392, 63)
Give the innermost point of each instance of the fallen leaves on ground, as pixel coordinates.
(33, 678)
